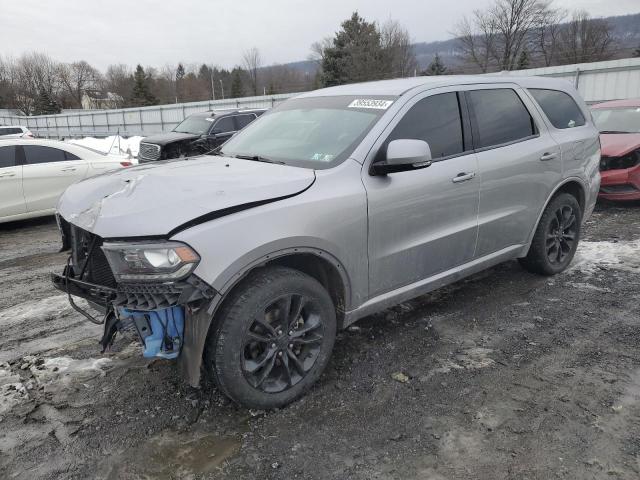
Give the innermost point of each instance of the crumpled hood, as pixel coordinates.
(154, 199)
(618, 144)
(163, 139)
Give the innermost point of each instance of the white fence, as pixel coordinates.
(129, 121)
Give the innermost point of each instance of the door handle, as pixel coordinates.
(548, 156)
(7, 175)
(463, 177)
(69, 169)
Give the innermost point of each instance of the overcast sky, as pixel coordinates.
(157, 32)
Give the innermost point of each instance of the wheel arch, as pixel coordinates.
(572, 185)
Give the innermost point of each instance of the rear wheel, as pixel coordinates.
(273, 338)
(556, 239)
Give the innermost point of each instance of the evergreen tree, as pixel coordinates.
(636, 52)
(180, 73)
(142, 95)
(523, 60)
(436, 67)
(355, 53)
(237, 89)
(45, 104)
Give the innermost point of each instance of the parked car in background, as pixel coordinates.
(619, 125)
(34, 173)
(336, 204)
(14, 132)
(197, 134)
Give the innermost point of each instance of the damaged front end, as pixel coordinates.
(146, 286)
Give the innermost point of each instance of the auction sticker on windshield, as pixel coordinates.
(371, 103)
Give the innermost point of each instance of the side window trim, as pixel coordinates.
(474, 121)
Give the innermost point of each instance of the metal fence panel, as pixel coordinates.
(129, 121)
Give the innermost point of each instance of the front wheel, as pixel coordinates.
(272, 339)
(556, 239)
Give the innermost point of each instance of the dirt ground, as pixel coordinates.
(505, 375)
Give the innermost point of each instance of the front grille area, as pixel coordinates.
(617, 163)
(149, 152)
(88, 260)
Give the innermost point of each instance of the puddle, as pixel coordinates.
(172, 455)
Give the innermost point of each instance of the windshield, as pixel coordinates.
(317, 132)
(619, 120)
(195, 125)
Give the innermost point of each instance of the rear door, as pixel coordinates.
(11, 196)
(47, 172)
(519, 165)
(223, 129)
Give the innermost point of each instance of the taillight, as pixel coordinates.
(126, 164)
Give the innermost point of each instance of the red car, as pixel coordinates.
(619, 125)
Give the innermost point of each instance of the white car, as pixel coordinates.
(15, 131)
(34, 173)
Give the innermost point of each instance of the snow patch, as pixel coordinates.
(66, 370)
(39, 310)
(114, 145)
(12, 391)
(469, 359)
(593, 256)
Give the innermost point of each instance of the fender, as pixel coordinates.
(198, 322)
(551, 195)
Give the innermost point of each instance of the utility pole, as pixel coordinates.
(213, 91)
(222, 87)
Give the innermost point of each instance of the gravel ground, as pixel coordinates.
(505, 375)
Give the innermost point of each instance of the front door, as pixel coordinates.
(423, 222)
(11, 196)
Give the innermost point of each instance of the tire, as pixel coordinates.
(556, 239)
(254, 360)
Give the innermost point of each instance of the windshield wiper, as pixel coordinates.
(614, 131)
(258, 158)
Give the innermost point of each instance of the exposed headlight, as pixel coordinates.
(166, 261)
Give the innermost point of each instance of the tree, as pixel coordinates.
(585, 39)
(636, 52)
(45, 104)
(180, 73)
(494, 38)
(523, 60)
(546, 34)
(398, 50)
(77, 78)
(252, 61)
(355, 55)
(237, 90)
(142, 96)
(436, 67)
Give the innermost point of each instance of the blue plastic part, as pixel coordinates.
(161, 331)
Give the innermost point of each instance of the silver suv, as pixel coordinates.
(336, 204)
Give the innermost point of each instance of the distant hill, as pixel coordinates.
(626, 30)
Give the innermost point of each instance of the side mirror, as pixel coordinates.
(403, 155)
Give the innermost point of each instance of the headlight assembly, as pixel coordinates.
(163, 261)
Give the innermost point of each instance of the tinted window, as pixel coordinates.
(7, 157)
(436, 120)
(559, 107)
(70, 156)
(38, 154)
(501, 117)
(10, 131)
(224, 125)
(244, 120)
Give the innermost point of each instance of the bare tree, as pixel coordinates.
(77, 78)
(585, 39)
(477, 39)
(252, 61)
(546, 35)
(398, 49)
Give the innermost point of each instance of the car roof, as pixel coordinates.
(220, 113)
(632, 102)
(33, 141)
(398, 87)
(13, 126)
